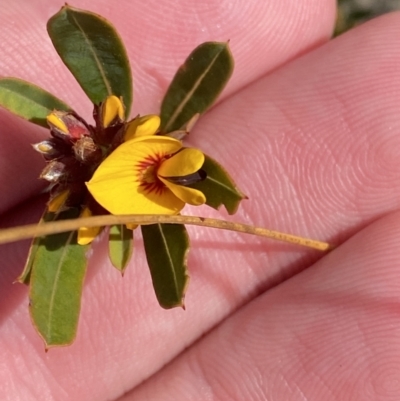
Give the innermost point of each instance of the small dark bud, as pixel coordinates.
(67, 125)
(52, 148)
(86, 150)
(54, 171)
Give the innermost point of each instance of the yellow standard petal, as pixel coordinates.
(185, 162)
(185, 194)
(58, 202)
(87, 234)
(112, 109)
(126, 182)
(54, 120)
(142, 126)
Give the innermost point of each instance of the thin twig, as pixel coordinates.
(36, 230)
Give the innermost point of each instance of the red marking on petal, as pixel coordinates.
(147, 174)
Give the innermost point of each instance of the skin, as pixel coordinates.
(309, 129)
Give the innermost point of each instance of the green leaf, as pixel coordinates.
(94, 53)
(219, 188)
(28, 101)
(196, 84)
(56, 283)
(166, 247)
(24, 277)
(120, 246)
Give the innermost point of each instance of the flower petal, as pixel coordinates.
(118, 185)
(66, 124)
(87, 234)
(58, 202)
(124, 196)
(186, 194)
(112, 109)
(185, 162)
(142, 126)
(54, 120)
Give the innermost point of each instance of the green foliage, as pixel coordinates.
(166, 248)
(218, 187)
(56, 281)
(28, 101)
(56, 266)
(24, 277)
(93, 52)
(120, 246)
(196, 85)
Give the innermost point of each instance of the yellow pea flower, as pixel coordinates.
(112, 110)
(142, 126)
(145, 176)
(58, 202)
(87, 234)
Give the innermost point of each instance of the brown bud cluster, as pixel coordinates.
(75, 149)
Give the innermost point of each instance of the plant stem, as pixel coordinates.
(36, 230)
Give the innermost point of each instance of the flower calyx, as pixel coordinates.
(67, 125)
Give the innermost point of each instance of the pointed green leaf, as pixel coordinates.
(24, 277)
(120, 246)
(93, 51)
(219, 188)
(56, 285)
(196, 85)
(28, 101)
(166, 247)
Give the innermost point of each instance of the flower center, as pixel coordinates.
(149, 175)
(148, 168)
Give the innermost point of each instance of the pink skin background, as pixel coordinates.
(309, 128)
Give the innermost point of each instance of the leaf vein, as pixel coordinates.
(169, 257)
(190, 92)
(90, 46)
(57, 275)
(223, 185)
